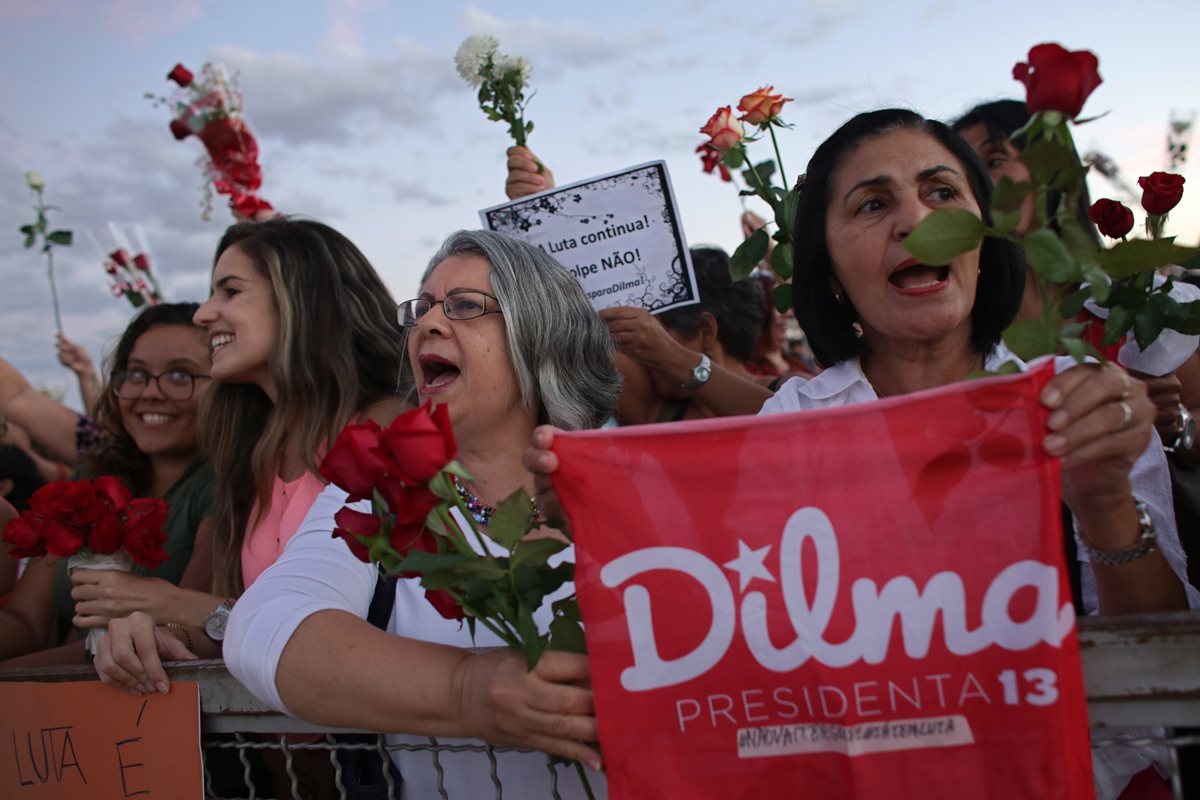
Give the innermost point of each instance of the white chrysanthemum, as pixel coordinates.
(473, 55)
(508, 64)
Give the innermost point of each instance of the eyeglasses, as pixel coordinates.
(175, 384)
(457, 305)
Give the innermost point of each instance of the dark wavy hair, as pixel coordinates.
(1001, 119)
(735, 305)
(829, 324)
(116, 453)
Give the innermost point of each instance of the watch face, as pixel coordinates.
(214, 626)
(701, 374)
(1187, 436)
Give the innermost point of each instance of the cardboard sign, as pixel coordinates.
(88, 740)
(619, 234)
(863, 602)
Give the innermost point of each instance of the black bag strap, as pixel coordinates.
(382, 601)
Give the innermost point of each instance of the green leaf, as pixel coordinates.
(1078, 243)
(1049, 257)
(27, 229)
(59, 237)
(442, 486)
(420, 562)
(781, 295)
(1076, 348)
(1068, 177)
(1008, 195)
(943, 235)
(734, 157)
(1185, 318)
(785, 216)
(1120, 320)
(1072, 304)
(1098, 284)
(764, 171)
(781, 260)
(1005, 222)
(1045, 159)
(30, 238)
(1008, 368)
(1192, 261)
(1142, 255)
(1030, 338)
(535, 552)
(1148, 324)
(567, 635)
(510, 521)
(748, 255)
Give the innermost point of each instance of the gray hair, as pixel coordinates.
(561, 351)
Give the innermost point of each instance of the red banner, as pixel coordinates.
(866, 601)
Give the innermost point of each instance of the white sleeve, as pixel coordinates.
(316, 572)
(1151, 482)
(785, 399)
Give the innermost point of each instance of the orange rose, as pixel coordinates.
(761, 106)
(723, 129)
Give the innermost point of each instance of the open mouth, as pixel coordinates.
(220, 340)
(154, 419)
(915, 277)
(437, 372)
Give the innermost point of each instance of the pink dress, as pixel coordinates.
(289, 505)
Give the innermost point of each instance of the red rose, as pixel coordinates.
(351, 525)
(142, 532)
(181, 75)
(710, 159)
(105, 535)
(180, 129)
(445, 604)
(142, 262)
(1112, 218)
(418, 444)
(352, 462)
(62, 539)
(1057, 79)
(120, 256)
(115, 491)
(250, 207)
(70, 502)
(1161, 191)
(23, 536)
(723, 129)
(761, 106)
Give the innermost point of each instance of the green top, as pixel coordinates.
(189, 500)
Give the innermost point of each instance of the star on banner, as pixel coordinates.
(749, 565)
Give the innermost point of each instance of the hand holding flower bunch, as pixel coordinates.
(489, 573)
(501, 80)
(726, 148)
(1059, 250)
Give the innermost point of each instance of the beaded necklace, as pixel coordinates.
(483, 513)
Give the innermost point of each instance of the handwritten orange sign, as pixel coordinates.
(88, 740)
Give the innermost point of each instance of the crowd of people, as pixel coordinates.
(226, 409)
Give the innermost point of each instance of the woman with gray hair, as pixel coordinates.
(505, 337)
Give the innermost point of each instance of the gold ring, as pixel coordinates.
(1128, 384)
(1128, 412)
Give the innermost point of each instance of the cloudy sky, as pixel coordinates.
(364, 124)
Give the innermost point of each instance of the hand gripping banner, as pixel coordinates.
(860, 602)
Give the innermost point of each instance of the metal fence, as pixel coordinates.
(1140, 673)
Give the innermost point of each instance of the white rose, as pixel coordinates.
(35, 181)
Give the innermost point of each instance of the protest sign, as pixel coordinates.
(87, 740)
(860, 602)
(619, 234)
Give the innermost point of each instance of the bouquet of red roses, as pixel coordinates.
(486, 572)
(210, 106)
(88, 518)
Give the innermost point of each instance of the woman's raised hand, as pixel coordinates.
(130, 656)
(549, 708)
(541, 462)
(523, 176)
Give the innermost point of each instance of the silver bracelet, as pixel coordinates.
(1143, 547)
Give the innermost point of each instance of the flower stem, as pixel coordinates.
(53, 289)
(587, 787)
(778, 158)
(759, 187)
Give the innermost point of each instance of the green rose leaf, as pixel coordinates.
(424, 563)
(1148, 323)
(59, 237)
(781, 260)
(1049, 257)
(510, 521)
(1030, 338)
(785, 216)
(567, 635)
(781, 296)
(1098, 284)
(1142, 255)
(734, 157)
(1045, 159)
(1185, 318)
(535, 552)
(1080, 350)
(748, 255)
(1120, 320)
(1072, 304)
(1004, 222)
(30, 238)
(1007, 195)
(27, 229)
(764, 171)
(943, 235)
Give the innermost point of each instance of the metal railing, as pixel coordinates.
(1139, 672)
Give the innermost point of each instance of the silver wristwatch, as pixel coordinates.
(1144, 546)
(1187, 431)
(214, 624)
(700, 374)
